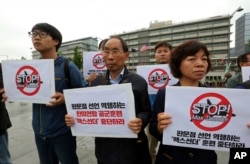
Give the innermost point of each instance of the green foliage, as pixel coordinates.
(60, 53)
(77, 59)
(23, 58)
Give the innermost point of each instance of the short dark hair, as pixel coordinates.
(102, 44)
(184, 50)
(51, 30)
(242, 58)
(123, 42)
(163, 44)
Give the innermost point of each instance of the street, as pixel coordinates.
(22, 145)
(21, 138)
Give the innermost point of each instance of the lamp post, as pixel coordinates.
(239, 9)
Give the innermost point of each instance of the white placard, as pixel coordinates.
(93, 63)
(207, 118)
(157, 76)
(102, 111)
(29, 80)
(245, 73)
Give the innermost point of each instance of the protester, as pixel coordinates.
(227, 76)
(53, 138)
(242, 61)
(162, 52)
(123, 150)
(243, 85)
(5, 124)
(189, 62)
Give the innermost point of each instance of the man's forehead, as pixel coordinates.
(163, 47)
(113, 43)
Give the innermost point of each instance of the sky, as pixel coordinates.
(77, 19)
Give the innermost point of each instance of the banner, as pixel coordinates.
(102, 111)
(157, 76)
(29, 80)
(207, 118)
(93, 63)
(245, 73)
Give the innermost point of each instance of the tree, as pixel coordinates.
(23, 58)
(77, 59)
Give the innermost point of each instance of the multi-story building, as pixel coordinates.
(67, 48)
(242, 34)
(213, 31)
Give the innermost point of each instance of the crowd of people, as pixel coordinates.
(189, 62)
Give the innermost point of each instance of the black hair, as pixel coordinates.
(51, 30)
(101, 44)
(163, 44)
(184, 50)
(124, 44)
(242, 58)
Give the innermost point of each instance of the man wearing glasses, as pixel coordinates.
(123, 150)
(53, 138)
(242, 61)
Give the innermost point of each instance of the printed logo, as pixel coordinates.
(98, 61)
(211, 112)
(28, 80)
(158, 78)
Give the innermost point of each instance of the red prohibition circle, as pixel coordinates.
(33, 72)
(98, 61)
(158, 78)
(223, 100)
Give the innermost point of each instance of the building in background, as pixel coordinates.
(67, 48)
(242, 34)
(213, 31)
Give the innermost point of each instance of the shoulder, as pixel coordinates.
(135, 76)
(244, 85)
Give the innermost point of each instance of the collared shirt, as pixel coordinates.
(118, 79)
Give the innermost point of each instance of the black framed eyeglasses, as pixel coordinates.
(114, 52)
(40, 34)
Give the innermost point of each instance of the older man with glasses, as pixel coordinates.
(123, 150)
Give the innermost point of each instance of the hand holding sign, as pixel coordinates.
(56, 99)
(163, 121)
(135, 125)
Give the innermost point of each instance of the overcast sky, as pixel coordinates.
(99, 18)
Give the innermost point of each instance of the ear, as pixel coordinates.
(126, 55)
(56, 42)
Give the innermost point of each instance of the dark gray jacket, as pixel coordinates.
(127, 150)
(4, 117)
(175, 154)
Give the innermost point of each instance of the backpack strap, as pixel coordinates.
(67, 74)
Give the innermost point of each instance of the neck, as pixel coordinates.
(115, 74)
(48, 54)
(187, 82)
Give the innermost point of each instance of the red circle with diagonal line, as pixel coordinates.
(211, 112)
(98, 61)
(28, 80)
(158, 78)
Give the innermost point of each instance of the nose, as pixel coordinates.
(163, 54)
(200, 62)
